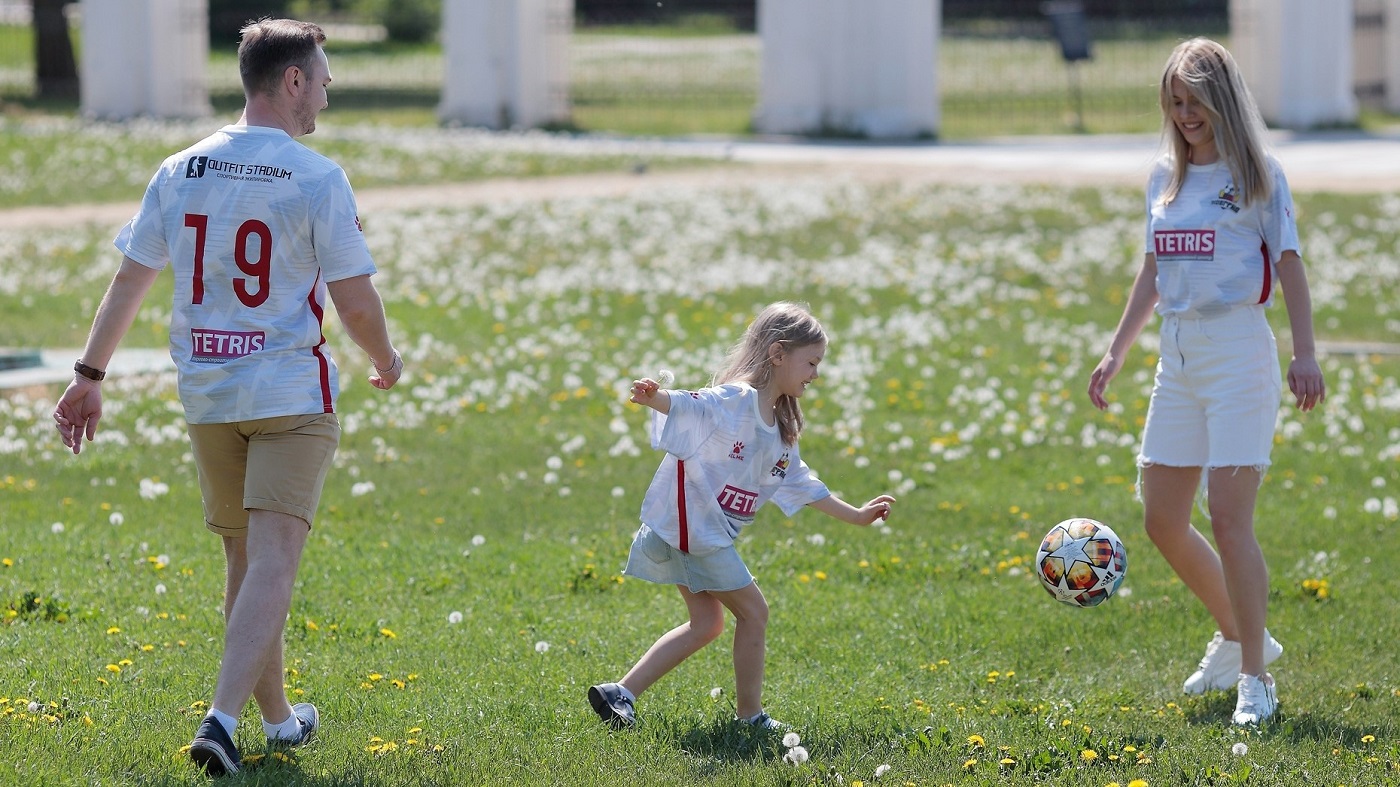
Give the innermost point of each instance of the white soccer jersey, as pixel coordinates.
(254, 224)
(1213, 253)
(722, 463)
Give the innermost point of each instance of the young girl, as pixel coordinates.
(730, 448)
(1220, 229)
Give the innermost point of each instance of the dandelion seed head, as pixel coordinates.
(791, 739)
(56, 527)
(541, 647)
(116, 518)
(1239, 749)
(454, 617)
(160, 589)
(665, 377)
(478, 540)
(796, 755)
(716, 693)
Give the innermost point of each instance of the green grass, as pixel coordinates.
(965, 323)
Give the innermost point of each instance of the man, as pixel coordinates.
(257, 229)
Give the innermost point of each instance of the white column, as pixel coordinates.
(866, 67)
(505, 62)
(1296, 57)
(144, 57)
(1391, 47)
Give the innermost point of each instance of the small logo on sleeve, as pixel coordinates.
(780, 467)
(738, 452)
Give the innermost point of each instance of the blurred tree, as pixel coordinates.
(54, 67)
(227, 17)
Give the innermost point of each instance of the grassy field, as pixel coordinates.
(461, 588)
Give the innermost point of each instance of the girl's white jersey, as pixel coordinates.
(1214, 253)
(253, 224)
(724, 463)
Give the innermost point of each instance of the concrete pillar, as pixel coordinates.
(1391, 49)
(862, 67)
(505, 62)
(1296, 56)
(144, 57)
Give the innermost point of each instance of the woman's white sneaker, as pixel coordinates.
(1257, 700)
(1219, 669)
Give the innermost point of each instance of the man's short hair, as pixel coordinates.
(269, 46)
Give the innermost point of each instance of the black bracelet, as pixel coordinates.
(90, 372)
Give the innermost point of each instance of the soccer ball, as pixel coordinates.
(1081, 562)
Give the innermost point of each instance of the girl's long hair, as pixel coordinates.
(1211, 76)
(791, 326)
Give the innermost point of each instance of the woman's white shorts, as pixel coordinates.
(1216, 398)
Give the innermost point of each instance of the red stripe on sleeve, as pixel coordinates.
(327, 402)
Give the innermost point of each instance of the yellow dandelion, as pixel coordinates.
(1007, 761)
(1138, 783)
(114, 630)
(114, 669)
(1088, 755)
(970, 764)
(976, 741)
(375, 677)
(398, 684)
(253, 759)
(803, 578)
(7, 562)
(311, 626)
(1368, 739)
(821, 575)
(387, 633)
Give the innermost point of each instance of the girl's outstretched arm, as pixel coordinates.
(878, 508)
(648, 392)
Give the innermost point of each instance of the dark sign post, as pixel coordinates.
(1072, 31)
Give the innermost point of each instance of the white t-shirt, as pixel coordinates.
(732, 463)
(1213, 253)
(253, 224)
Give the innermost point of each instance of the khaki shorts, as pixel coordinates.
(270, 464)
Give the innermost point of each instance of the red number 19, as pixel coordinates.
(258, 268)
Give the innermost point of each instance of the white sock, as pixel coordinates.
(287, 730)
(229, 723)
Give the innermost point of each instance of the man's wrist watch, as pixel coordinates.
(89, 372)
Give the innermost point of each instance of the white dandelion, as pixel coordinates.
(665, 377)
(478, 540)
(454, 617)
(34, 706)
(716, 693)
(541, 647)
(160, 588)
(1239, 749)
(56, 527)
(791, 739)
(361, 489)
(116, 518)
(796, 755)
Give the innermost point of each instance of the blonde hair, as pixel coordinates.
(1210, 75)
(790, 325)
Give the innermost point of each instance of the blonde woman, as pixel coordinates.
(1220, 234)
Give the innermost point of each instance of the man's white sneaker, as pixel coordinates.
(1219, 669)
(1257, 701)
